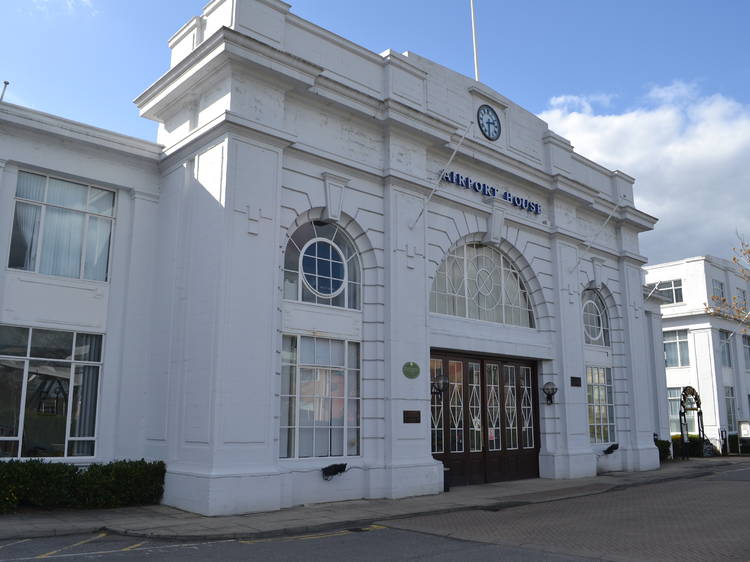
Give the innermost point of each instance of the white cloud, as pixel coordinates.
(56, 7)
(690, 155)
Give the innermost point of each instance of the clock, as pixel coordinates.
(489, 122)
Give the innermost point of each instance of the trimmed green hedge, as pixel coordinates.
(665, 449)
(48, 485)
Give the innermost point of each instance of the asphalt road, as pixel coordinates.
(701, 519)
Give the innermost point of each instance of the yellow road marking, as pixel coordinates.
(12, 543)
(136, 545)
(79, 543)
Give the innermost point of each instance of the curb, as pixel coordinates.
(363, 522)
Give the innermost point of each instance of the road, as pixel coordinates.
(701, 519)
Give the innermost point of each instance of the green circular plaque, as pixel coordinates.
(410, 370)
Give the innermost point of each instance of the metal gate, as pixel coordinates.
(485, 426)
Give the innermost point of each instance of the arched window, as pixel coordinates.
(321, 266)
(595, 319)
(476, 281)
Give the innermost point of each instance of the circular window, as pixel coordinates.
(592, 320)
(323, 269)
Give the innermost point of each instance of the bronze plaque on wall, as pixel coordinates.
(412, 416)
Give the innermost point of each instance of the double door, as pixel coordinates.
(485, 425)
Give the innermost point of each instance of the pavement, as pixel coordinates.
(160, 521)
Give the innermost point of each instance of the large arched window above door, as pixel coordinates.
(321, 265)
(476, 281)
(595, 319)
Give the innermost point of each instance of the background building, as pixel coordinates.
(293, 274)
(708, 352)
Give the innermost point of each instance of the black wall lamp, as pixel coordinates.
(550, 389)
(439, 385)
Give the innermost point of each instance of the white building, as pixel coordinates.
(271, 288)
(708, 352)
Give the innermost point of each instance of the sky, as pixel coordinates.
(658, 89)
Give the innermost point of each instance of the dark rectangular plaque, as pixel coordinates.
(575, 381)
(412, 416)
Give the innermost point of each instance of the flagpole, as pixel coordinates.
(474, 37)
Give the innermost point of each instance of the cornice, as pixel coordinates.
(48, 124)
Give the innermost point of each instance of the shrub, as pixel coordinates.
(665, 449)
(50, 485)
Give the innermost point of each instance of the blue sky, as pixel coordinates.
(644, 86)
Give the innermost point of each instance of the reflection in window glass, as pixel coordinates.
(601, 404)
(49, 421)
(61, 228)
(329, 266)
(320, 398)
(51, 344)
(46, 409)
(13, 340)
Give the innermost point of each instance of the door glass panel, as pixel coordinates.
(511, 435)
(436, 408)
(456, 405)
(475, 407)
(492, 382)
(527, 409)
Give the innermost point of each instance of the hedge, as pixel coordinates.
(665, 449)
(49, 485)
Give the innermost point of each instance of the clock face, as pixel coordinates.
(489, 122)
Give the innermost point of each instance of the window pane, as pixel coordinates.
(67, 194)
(352, 442)
(13, 340)
(337, 353)
(11, 383)
(97, 249)
(308, 351)
(670, 354)
(322, 442)
(286, 442)
(25, 238)
(337, 442)
(46, 409)
(288, 410)
(61, 247)
(85, 392)
(102, 201)
(88, 347)
(288, 380)
(30, 186)
(684, 354)
(81, 448)
(51, 344)
(305, 442)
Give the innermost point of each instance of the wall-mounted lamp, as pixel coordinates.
(439, 384)
(550, 389)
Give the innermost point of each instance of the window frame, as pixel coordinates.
(296, 368)
(297, 277)
(44, 205)
(669, 289)
(746, 350)
(676, 343)
(594, 390)
(505, 265)
(27, 359)
(730, 403)
(725, 347)
(590, 296)
(717, 287)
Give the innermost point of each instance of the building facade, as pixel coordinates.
(331, 257)
(708, 352)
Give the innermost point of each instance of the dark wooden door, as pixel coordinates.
(485, 426)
